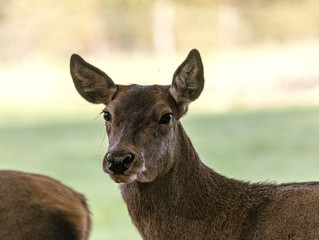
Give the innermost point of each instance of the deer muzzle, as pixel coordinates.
(118, 165)
(123, 166)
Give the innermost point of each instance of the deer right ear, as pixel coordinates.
(188, 80)
(91, 83)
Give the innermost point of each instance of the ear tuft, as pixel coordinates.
(91, 83)
(188, 79)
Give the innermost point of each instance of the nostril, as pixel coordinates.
(127, 160)
(110, 160)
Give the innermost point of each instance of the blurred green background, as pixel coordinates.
(257, 119)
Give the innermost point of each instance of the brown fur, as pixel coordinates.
(169, 192)
(38, 207)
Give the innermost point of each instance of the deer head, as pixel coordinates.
(141, 121)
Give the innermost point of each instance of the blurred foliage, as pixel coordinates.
(53, 28)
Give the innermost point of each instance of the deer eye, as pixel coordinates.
(166, 118)
(107, 116)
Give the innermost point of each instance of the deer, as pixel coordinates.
(37, 207)
(169, 192)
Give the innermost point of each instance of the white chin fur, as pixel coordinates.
(123, 178)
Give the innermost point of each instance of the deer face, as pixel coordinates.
(141, 121)
(140, 124)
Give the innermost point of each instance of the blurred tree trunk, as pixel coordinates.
(164, 27)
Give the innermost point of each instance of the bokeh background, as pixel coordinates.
(257, 119)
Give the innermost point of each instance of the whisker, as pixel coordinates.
(102, 142)
(98, 115)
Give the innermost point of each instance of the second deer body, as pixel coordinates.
(169, 192)
(36, 207)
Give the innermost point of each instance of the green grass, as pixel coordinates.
(272, 145)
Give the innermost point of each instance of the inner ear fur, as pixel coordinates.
(188, 79)
(91, 83)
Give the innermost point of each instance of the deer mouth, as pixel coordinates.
(122, 178)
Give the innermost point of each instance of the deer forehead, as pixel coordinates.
(136, 99)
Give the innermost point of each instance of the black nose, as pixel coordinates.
(118, 165)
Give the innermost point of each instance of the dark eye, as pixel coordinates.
(107, 116)
(166, 118)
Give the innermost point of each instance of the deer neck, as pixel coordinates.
(188, 180)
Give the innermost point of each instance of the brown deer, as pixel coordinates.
(169, 192)
(36, 207)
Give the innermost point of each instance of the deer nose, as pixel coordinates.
(118, 165)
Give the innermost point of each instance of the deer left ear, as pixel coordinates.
(91, 83)
(188, 79)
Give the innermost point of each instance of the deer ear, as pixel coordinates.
(91, 83)
(188, 79)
